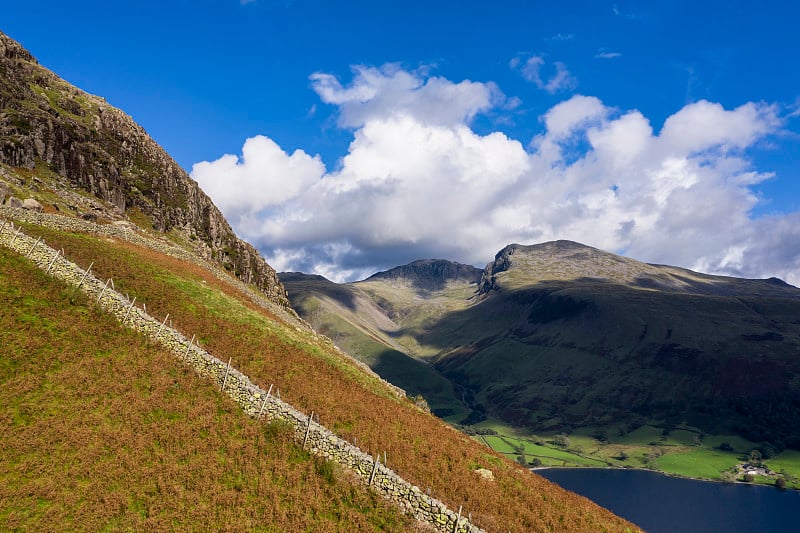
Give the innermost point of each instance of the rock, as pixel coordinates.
(32, 205)
(485, 474)
(13, 201)
(3, 191)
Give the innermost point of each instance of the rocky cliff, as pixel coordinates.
(51, 129)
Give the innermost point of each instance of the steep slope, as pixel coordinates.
(55, 138)
(101, 430)
(308, 372)
(51, 361)
(560, 336)
(351, 319)
(597, 338)
(364, 320)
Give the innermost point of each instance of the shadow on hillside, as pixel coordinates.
(586, 345)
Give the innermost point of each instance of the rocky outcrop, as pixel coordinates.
(49, 126)
(430, 274)
(501, 263)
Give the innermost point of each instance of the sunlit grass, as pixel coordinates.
(314, 377)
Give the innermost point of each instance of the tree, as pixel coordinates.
(561, 440)
(780, 482)
(748, 478)
(755, 457)
(725, 446)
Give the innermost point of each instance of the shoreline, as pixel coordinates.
(660, 472)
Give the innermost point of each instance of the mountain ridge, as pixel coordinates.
(558, 313)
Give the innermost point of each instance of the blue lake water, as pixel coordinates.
(663, 504)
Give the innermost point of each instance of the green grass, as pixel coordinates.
(675, 454)
(701, 463)
(550, 456)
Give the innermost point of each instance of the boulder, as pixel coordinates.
(3, 191)
(32, 205)
(13, 201)
(485, 473)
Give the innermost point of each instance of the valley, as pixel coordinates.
(106, 429)
(662, 364)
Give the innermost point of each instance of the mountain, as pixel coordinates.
(430, 274)
(560, 336)
(106, 425)
(61, 139)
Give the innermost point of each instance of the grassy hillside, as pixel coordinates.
(349, 316)
(104, 431)
(314, 377)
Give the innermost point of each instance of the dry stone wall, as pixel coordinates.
(135, 235)
(252, 399)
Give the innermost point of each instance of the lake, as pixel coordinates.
(660, 503)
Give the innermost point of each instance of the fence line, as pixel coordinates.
(322, 441)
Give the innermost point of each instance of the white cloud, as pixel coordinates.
(418, 182)
(605, 54)
(532, 70)
(794, 109)
(560, 37)
(703, 125)
(263, 178)
(390, 90)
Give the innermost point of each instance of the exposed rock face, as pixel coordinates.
(431, 274)
(46, 122)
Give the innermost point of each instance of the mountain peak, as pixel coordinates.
(430, 274)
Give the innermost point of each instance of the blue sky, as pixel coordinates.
(524, 121)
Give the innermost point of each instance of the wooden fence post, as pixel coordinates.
(227, 369)
(188, 347)
(104, 290)
(265, 402)
(308, 429)
(33, 247)
(85, 274)
(53, 262)
(129, 310)
(162, 325)
(374, 469)
(458, 519)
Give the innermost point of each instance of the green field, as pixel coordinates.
(680, 452)
(702, 463)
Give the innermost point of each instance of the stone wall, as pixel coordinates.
(253, 400)
(133, 234)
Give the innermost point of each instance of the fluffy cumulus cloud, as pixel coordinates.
(419, 182)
